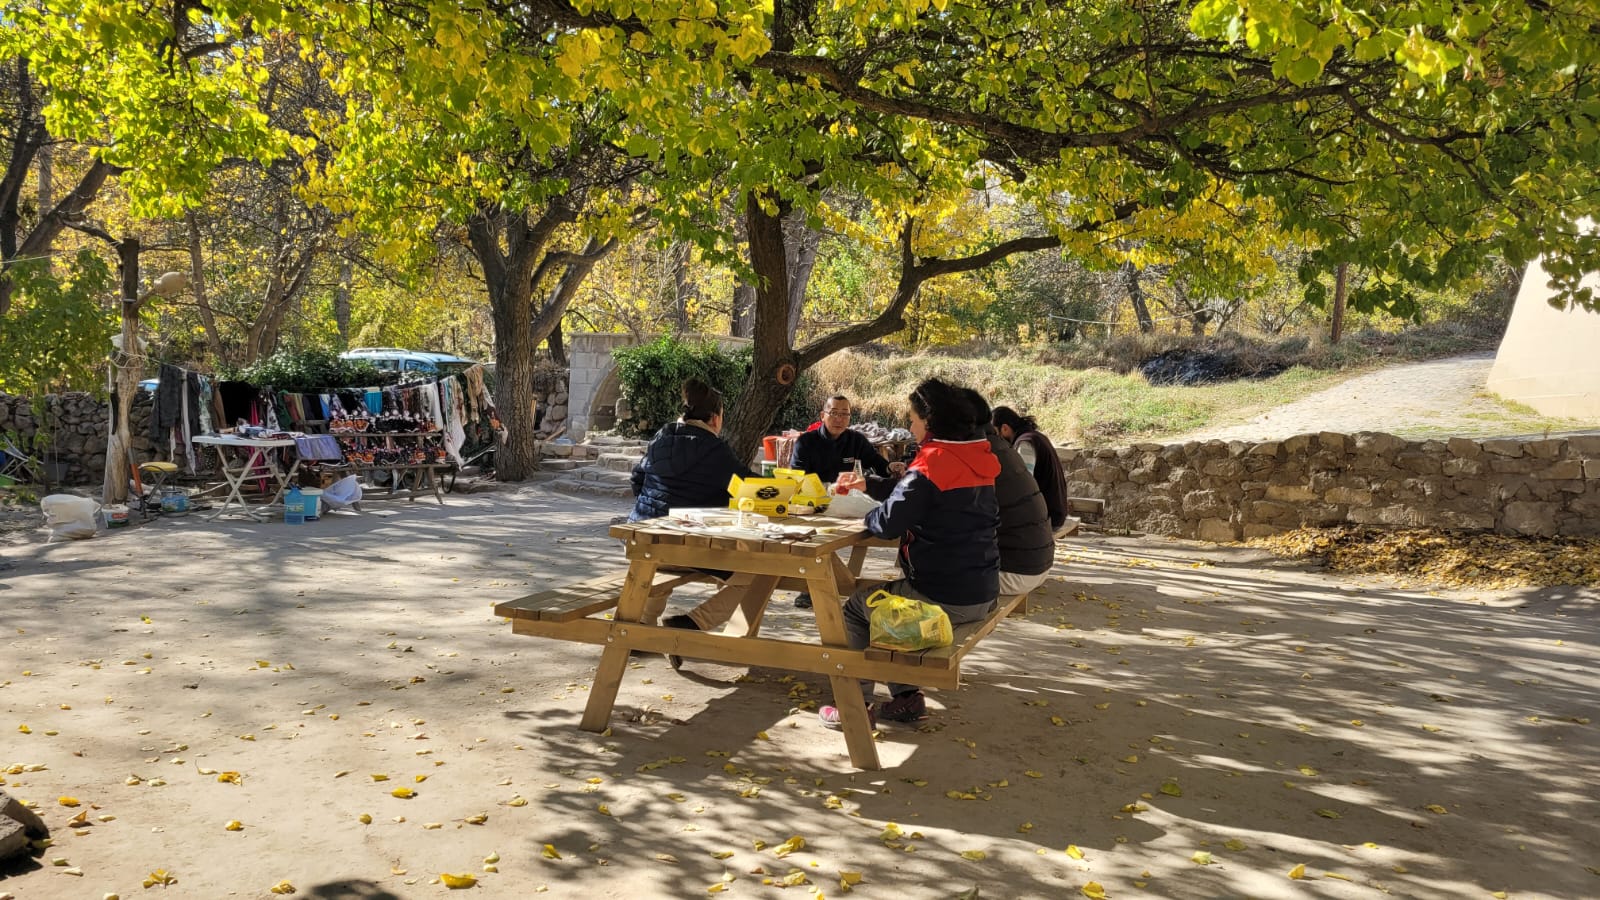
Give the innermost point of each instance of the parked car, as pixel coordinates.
(396, 359)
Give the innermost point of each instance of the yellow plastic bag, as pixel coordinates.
(901, 623)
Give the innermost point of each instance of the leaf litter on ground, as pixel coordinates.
(1448, 558)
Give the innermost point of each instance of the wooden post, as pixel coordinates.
(119, 446)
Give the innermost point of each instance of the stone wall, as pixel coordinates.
(74, 427)
(550, 393)
(1225, 491)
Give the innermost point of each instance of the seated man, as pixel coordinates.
(832, 447)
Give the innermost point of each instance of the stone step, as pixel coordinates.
(604, 476)
(619, 462)
(576, 484)
(561, 465)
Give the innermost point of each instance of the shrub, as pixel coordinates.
(309, 370)
(652, 377)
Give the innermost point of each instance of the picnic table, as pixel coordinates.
(663, 555)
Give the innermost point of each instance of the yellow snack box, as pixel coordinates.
(770, 496)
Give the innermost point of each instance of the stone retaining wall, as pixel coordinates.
(75, 425)
(1225, 491)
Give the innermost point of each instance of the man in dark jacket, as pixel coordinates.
(832, 446)
(1027, 546)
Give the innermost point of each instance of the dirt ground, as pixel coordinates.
(1169, 720)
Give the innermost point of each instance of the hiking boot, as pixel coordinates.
(908, 707)
(678, 621)
(802, 602)
(830, 716)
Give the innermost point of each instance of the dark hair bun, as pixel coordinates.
(701, 401)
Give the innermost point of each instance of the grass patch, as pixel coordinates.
(1091, 393)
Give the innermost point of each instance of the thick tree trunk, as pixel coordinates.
(685, 292)
(773, 368)
(1340, 281)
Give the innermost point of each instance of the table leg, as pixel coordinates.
(853, 720)
(283, 481)
(235, 478)
(614, 660)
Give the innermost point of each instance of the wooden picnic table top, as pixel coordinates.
(829, 535)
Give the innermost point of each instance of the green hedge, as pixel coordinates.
(307, 370)
(652, 377)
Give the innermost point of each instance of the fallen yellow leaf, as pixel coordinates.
(550, 852)
(365, 818)
(282, 887)
(161, 877)
(1298, 872)
(67, 801)
(404, 793)
(230, 778)
(517, 801)
(1328, 814)
(379, 776)
(457, 882)
(791, 845)
(1436, 809)
(1201, 857)
(974, 855)
(1171, 789)
(717, 888)
(233, 825)
(1074, 852)
(1094, 891)
(1236, 845)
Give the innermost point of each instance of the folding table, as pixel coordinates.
(256, 463)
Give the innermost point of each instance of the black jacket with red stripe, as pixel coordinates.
(945, 514)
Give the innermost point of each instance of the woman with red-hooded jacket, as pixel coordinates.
(945, 515)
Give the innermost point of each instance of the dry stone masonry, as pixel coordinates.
(1227, 491)
(71, 432)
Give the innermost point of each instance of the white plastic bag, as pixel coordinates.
(853, 505)
(344, 492)
(70, 517)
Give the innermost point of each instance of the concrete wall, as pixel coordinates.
(1550, 358)
(1225, 491)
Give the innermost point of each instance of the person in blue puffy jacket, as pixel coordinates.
(945, 515)
(687, 464)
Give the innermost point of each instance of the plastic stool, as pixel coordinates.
(153, 475)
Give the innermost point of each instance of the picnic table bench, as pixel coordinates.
(663, 556)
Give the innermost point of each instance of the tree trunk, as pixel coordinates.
(772, 366)
(742, 322)
(197, 279)
(341, 301)
(47, 180)
(684, 291)
(1141, 310)
(1336, 331)
(800, 251)
(558, 347)
(119, 446)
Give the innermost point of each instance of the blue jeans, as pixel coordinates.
(858, 627)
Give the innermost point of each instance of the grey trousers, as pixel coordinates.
(858, 628)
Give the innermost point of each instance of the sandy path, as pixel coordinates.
(1414, 399)
(1298, 714)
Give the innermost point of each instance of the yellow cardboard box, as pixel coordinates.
(770, 496)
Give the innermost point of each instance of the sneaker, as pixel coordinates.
(830, 716)
(678, 621)
(908, 707)
(802, 602)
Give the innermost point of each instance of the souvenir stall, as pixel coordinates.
(400, 440)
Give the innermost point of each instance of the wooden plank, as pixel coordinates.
(585, 597)
(966, 637)
(771, 653)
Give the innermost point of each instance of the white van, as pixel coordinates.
(396, 359)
